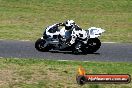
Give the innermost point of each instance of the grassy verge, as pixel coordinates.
(34, 73)
(25, 19)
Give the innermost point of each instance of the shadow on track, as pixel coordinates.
(68, 52)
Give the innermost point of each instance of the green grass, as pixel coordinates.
(25, 19)
(38, 73)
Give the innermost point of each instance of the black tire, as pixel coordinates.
(92, 46)
(81, 80)
(39, 45)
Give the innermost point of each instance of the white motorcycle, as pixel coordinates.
(84, 41)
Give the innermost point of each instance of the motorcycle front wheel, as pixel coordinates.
(92, 46)
(39, 45)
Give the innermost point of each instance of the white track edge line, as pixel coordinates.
(109, 42)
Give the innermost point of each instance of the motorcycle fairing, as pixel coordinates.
(95, 32)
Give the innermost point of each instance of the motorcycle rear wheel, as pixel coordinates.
(92, 46)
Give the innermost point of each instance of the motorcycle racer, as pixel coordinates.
(68, 32)
(72, 30)
(69, 26)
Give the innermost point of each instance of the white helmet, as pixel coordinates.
(69, 24)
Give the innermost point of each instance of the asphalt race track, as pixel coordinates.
(115, 52)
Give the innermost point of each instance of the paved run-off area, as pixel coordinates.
(118, 52)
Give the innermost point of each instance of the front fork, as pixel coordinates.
(45, 43)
